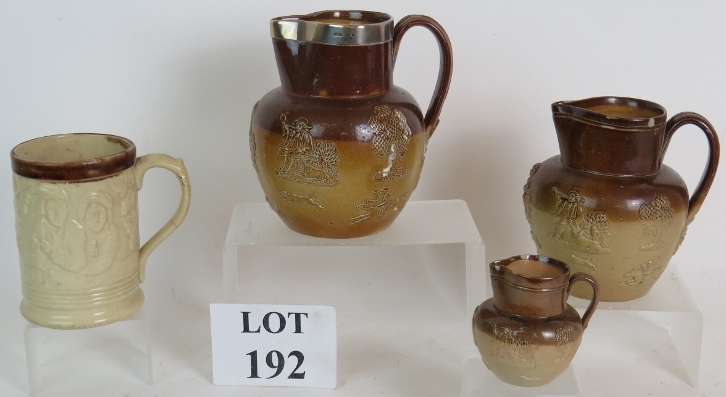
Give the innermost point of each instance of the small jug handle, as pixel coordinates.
(595, 294)
(143, 164)
(431, 120)
(677, 121)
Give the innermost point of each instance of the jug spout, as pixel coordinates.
(334, 53)
(611, 135)
(530, 285)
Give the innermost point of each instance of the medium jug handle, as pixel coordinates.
(143, 164)
(595, 294)
(676, 122)
(431, 120)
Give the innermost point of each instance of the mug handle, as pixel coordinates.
(431, 120)
(143, 164)
(676, 122)
(595, 294)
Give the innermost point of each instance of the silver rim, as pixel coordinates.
(335, 27)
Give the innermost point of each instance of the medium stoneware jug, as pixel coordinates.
(338, 148)
(77, 227)
(526, 333)
(607, 206)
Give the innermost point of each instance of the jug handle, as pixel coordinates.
(676, 122)
(431, 120)
(595, 294)
(143, 164)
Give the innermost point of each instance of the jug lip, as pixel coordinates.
(585, 109)
(356, 27)
(504, 263)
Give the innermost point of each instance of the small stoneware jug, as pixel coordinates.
(607, 206)
(526, 333)
(77, 227)
(338, 148)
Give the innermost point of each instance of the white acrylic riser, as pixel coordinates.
(420, 223)
(402, 299)
(62, 350)
(669, 297)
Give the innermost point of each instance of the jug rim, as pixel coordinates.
(652, 114)
(504, 263)
(362, 27)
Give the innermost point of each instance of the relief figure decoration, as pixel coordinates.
(589, 263)
(537, 244)
(565, 336)
(391, 136)
(253, 143)
(656, 217)
(298, 198)
(638, 275)
(577, 227)
(683, 236)
(278, 209)
(378, 205)
(101, 235)
(305, 159)
(429, 132)
(84, 232)
(510, 348)
(55, 236)
(527, 195)
(126, 190)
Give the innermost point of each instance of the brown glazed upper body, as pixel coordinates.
(606, 205)
(526, 333)
(338, 148)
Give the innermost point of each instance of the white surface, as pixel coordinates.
(409, 277)
(182, 77)
(420, 223)
(304, 336)
(672, 298)
(63, 353)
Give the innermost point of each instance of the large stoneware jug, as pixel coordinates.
(607, 206)
(338, 148)
(526, 333)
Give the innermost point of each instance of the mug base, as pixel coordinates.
(90, 316)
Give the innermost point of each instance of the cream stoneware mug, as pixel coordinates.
(77, 227)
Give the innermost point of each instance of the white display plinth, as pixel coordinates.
(420, 223)
(669, 296)
(404, 297)
(39, 339)
(478, 381)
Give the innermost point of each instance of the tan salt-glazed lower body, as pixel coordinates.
(356, 204)
(337, 173)
(620, 230)
(626, 270)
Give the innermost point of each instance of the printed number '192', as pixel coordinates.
(275, 360)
